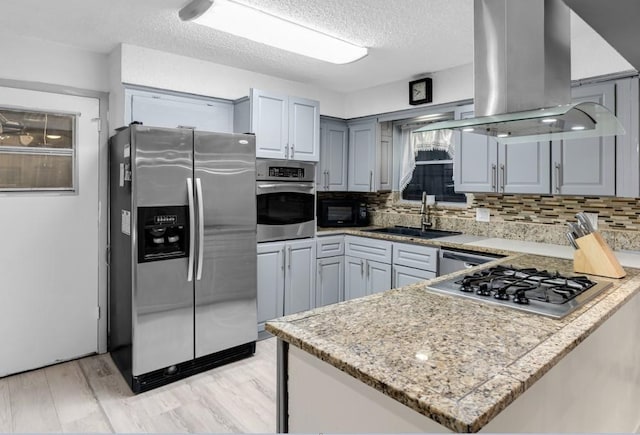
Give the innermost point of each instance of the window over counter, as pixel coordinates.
(433, 174)
(427, 165)
(37, 151)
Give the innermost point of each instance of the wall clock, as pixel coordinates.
(420, 91)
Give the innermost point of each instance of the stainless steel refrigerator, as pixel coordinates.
(182, 260)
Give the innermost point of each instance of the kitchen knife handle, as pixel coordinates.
(494, 176)
(502, 174)
(557, 187)
(200, 228)
(192, 229)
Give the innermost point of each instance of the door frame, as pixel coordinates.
(103, 184)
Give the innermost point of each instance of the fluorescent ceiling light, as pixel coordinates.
(259, 26)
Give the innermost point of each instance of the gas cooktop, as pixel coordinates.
(532, 290)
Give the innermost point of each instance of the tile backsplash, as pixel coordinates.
(537, 218)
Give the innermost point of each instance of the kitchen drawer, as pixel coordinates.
(416, 256)
(329, 246)
(403, 275)
(369, 249)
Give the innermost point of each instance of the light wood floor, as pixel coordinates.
(90, 395)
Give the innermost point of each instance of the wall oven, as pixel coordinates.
(285, 193)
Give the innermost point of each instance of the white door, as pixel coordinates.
(49, 252)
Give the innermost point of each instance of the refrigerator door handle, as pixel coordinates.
(192, 230)
(200, 228)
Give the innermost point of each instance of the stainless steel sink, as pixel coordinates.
(414, 232)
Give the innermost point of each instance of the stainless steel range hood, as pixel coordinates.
(522, 76)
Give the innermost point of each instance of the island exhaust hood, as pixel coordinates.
(522, 76)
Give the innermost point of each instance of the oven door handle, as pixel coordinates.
(286, 187)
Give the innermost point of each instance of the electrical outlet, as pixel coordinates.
(482, 214)
(593, 218)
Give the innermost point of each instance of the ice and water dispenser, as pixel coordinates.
(163, 233)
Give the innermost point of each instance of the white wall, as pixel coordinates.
(146, 67)
(35, 60)
(449, 85)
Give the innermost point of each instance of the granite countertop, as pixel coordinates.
(454, 360)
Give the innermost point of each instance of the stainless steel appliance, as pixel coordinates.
(286, 200)
(450, 260)
(343, 212)
(532, 290)
(182, 252)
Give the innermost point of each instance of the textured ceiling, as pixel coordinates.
(406, 38)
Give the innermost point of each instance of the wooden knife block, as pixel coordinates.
(595, 257)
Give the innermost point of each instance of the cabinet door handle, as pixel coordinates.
(289, 264)
(293, 151)
(368, 267)
(502, 174)
(284, 258)
(327, 180)
(557, 187)
(370, 181)
(494, 177)
(286, 151)
(320, 271)
(361, 267)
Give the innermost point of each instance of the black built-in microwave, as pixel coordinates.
(342, 213)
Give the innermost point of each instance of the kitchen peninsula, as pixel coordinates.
(412, 360)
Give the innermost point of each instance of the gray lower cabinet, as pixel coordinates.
(329, 270)
(413, 263)
(367, 266)
(403, 275)
(329, 280)
(270, 282)
(364, 277)
(286, 278)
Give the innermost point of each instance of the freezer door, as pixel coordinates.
(163, 160)
(225, 296)
(162, 300)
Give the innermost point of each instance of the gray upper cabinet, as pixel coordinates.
(270, 124)
(331, 174)
(524, 168)
(304, 129)
(362, 156)
(385, 156)
(483, 165)
(163, 110)
(475, 162)
(285, 127)
(627, 149)
(587, 166)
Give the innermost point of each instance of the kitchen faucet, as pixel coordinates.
(425, 214)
